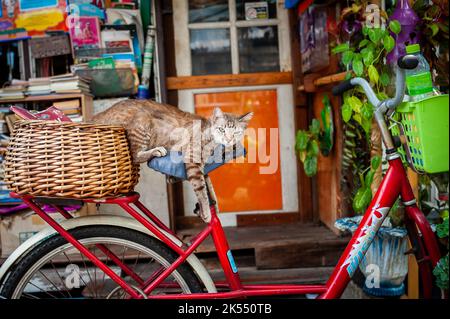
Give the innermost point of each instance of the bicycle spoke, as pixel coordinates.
(60, 278)
(51, 282)
(81, 277)
(126, 258)
(44, 291)
(104, 274)
(30, 296)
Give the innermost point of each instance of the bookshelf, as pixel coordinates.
(86, 101)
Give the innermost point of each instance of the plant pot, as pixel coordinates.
(385, 264)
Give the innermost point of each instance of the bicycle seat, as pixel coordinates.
(172, 164)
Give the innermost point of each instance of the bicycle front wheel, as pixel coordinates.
(56, 269)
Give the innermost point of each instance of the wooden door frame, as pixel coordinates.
(286, 139)
(294, 77)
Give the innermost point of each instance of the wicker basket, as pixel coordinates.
(71, 160)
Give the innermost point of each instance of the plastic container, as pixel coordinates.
(425, 125)
(418, 80)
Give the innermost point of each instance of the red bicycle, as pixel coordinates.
(103, 256)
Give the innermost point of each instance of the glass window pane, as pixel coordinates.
(210, 51)
(258, 49)
(250, 10)
(208, 11)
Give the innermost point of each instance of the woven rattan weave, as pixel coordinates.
(71, 160)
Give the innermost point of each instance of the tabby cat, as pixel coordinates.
(154, 128)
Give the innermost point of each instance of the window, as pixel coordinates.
(258, 49)
(208, 11)
(210, 51)
(232, 36)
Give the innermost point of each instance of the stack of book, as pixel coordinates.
(39, 86)
(71, 108)
(61, 84)
(13, 92)
(69, 83)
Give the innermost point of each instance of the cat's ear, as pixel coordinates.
(246, 117)
(217, 113)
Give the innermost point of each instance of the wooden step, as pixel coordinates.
(310, 252)
(299, 276)
(280, 246)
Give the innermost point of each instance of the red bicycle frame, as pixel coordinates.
(394, 184)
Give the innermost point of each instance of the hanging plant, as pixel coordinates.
(441, 269)
(363, 50)
(309, 143)
(434, 27)
(307, 147)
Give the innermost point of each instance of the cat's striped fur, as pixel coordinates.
(154, 128)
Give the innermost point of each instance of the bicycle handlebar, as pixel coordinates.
(407, 62)
(342, 87)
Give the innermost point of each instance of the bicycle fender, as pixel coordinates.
(106, 220)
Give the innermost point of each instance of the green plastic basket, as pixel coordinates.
(425, 125)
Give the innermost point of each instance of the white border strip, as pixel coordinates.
(286, 142)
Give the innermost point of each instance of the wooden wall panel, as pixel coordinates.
(329, 168)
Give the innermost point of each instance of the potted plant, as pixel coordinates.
(367, 50)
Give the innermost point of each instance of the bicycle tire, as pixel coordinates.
(21, 268)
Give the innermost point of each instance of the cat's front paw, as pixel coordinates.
(159, 151)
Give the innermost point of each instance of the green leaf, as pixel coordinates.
(301, 140)
(346, 112)
(384, 79)
(310, 165)
(382, 96)
(362, 199)
(369, 178)
(340, 48)
(313, 148)
(395, 26)
(375, 35)
(357, 67)
(358, 118)
(348, 76)
(443, 27)
(314, 128)
(441, 273)
(347, 57)
(434, 28)
(375, 162)
(373, 74)
(366, 125)
(365, 30)
(302, 156)
(388, 43)
(367, 55)
(363, 43)
(367, 111)
(442, 229)
(355, 103)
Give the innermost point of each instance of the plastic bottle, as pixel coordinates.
(418, 81)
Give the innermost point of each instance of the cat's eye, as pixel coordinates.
(221, 130)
